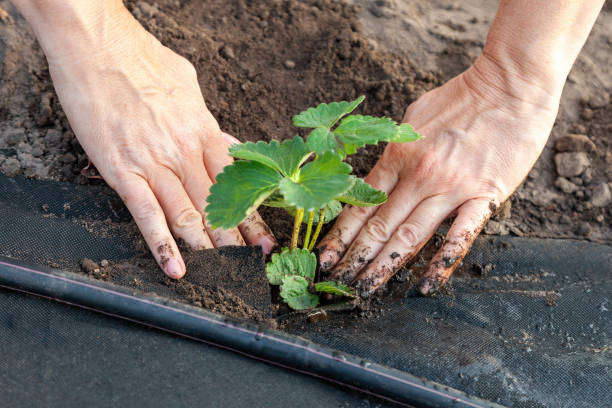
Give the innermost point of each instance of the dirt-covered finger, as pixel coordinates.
(256, 232)
(149, 216)
(184, 219)
(406, 242)
(352, 219)
(375, 233)
(471, 218)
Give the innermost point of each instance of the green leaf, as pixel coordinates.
(356, 131)
(294, 291)
(318, 183)
(288, 263)
(360, 130)
(239, 190)
(286, 158)
(332, 210)
(326, 115)
(335, 288)
(363, 195)
(322, 140)
(406, 133)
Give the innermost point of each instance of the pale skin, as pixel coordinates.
(137, 110)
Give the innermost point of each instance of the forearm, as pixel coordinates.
(70, 27)
(537, 41)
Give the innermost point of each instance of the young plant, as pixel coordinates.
(278, 175)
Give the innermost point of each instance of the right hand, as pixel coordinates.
(136, 108)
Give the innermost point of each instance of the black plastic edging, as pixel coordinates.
(272, 346)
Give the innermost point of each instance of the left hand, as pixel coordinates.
(481, 140)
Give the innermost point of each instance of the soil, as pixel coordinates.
(229, 280)
(260, 62)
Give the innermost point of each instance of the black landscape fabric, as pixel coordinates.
(529, 328)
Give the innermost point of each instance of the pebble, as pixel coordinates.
(575, 143)
(88, 265)
(571, 164)
(11, 167)
(583, 229)
(565, 185)
(587, 176)
(601, 195)
(104, 263)
(37, 151)
(227, 52)
(13, 137)
(599, 99)
(587, 114)
(289, 64)
(496, 228)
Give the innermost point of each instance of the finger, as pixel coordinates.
(352, 219)
(184, 220)
(229, 139)
(471, 218)
(406, 242)
(375, 233)
(256, 232)
(149, 216)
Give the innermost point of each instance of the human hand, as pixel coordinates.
(481, 139)
(136, 108)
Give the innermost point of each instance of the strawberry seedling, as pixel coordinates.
(278, 175)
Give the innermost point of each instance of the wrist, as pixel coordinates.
(498, 78)
(74, 28)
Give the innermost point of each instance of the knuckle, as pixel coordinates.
(408, 234)
(188, 217)
(426, 163)
(146, 211)
(378, 228)
(359, 213)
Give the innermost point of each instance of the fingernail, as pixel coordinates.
(267, 244)
(173, 268)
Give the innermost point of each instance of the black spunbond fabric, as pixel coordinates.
(534, 332)
(55, 355)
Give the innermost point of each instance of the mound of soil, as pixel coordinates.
(229, 280)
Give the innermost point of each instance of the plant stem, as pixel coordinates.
(297, 223)
(308, 229)
(318, 230)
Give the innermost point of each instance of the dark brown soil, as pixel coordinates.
(228, 280)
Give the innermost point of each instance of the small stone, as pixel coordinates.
(13, 137)
(23, 147)
(600, 218)
(577, 181)
(565, 185)
(587, 176)
(11, 167)
(289, 64)
(575, 143)
(601, 195)
(579, 194)
(587, 114)
(227, 52)
(599, 99)
(579, 128)
(496, 228)
(104, 263)
(148, 10)
(584, 229)
(88, 265)
(571, 164)
(53, 137)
